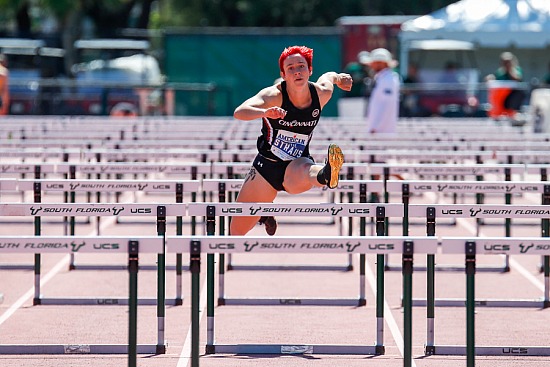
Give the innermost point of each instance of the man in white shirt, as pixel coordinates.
(383, 107)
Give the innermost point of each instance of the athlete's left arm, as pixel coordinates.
(325, 85)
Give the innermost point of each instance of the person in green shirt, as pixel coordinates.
(510, 70)
(359, 71)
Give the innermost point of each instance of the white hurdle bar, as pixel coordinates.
(450, 169)
(484, 211)
(133, 246)
(73, 186)
(305, 245)
(470, 247)
(360, 187)
(364, 210)
(506, 188)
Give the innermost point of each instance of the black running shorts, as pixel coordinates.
(272, 171)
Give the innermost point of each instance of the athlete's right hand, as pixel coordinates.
(275, 113)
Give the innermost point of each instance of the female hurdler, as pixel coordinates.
(290, 111)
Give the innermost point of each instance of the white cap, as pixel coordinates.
(382, 55)
(363, 57)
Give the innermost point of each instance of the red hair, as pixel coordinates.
(306, 52)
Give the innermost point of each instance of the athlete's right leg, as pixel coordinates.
(255, 190)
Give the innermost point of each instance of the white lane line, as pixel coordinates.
(30, 293)
(44, 280)
(185, 355)
(388, 316)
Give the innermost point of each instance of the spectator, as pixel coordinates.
(449, 73)
(510, 70)
(383, 107)
(4, 86)
(410, 101)
(546, 79)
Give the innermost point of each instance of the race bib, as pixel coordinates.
(288, 145)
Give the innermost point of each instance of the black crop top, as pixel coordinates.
(288, 138)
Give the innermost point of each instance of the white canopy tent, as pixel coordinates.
(496, 24)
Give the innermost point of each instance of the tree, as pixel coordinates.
(282, 13)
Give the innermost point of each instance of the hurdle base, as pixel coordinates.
(102, 301)
(160, 349)
(74, 349)
(279, 349)
(291, 267)
(461, 302)
(16, 267)
(291, 302)
(121, 267)
(514, 351)
(450, 268)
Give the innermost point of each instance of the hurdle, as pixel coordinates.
(73, 186)
(542, 170)
(471, 247)
(93, 209)
(133, 246)
(212, 210)
(506, 188)
(408, 246)
(431, 212)
(227, 186)
(109, 210)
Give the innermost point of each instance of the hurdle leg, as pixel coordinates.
(379, 304)
(37, 258)
(221, 279)
(210, 273)
(430, 288)
(350, 233)
(133, 250)
(72, 196)
(161, 280)
(179, 256)
(546, 302)
(362, 257)
(407, 270)
(380, 268)
(362, 280)
(507, 223)
(470, 303)
(195, 269)
(210, 348)
(221, 265)
(545, 232)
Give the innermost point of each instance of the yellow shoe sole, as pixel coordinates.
(335, 160)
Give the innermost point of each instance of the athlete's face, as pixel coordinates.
(295, 69)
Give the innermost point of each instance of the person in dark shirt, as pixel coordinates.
(290, 111)
(359, 71)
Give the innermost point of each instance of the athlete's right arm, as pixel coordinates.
(264, 104)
